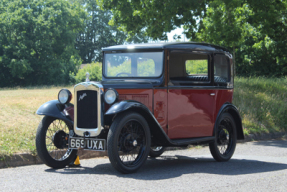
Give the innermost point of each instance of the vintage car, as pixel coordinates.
(151, 96)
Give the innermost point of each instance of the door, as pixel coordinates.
(191, 98)
(190, 112)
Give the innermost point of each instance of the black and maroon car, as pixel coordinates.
(151, 96)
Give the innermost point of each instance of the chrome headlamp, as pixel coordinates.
(64, 96)
(111, 96)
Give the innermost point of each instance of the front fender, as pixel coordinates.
(125, 105)
(159, 137)
(53, 109)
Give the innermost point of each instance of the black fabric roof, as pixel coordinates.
(170, 45)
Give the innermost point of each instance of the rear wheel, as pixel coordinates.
(156, 151)
(224, 144)
(128, 142)
(52, 142)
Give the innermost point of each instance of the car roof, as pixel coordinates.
(169, 45)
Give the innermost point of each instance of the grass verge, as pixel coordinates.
(18, 119)
(262, 103)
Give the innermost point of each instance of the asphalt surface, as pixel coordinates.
(255, 166)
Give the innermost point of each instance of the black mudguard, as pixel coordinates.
(232, 109)
(130, 105)
(53, 109)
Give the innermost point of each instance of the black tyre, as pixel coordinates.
(156, 151)
(128, 142)
(52, 142)
(224, 145)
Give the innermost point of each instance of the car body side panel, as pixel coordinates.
(222, 96)
(160, 107)
(144, 96)
(190, 113)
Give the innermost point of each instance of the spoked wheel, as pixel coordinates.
(128, 142)
(52, 142)
(156, 151)
(224, 145)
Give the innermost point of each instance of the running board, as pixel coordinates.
(178, 142)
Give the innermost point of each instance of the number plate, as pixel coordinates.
(87, 143)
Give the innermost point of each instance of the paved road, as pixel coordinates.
(255, 166)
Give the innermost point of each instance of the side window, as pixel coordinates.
(189, 68)
(197, 69)
(221, 69)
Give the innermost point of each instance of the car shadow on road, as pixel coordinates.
(167, 167)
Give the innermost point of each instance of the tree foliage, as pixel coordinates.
(94, 69)
(98, 33)
(155, 18)
(255, 31)
(37, 41)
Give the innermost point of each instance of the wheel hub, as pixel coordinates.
(135, 143)
(223, 137)
(60, 139)
(129, 142)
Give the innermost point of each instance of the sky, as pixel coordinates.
(177, 31)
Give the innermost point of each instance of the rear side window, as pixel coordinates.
(221, 69)
(196, 67)
(189, 68)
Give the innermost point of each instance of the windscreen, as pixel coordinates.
(136, 64)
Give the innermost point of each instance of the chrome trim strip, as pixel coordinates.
(100, 90)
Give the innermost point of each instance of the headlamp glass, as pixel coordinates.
(110, 96)
(64, 96)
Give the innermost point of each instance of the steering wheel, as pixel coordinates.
(123, 73)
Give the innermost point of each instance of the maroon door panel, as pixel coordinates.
(160, 107)
(190, 113)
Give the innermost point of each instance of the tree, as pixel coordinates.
(255, 31)
(37, 41)
(252, 30)
(224, 24)
(98, 33)
(155, 18)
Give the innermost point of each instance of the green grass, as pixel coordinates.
(18, 119)
(262, 104)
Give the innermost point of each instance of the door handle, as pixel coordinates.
(212, 94)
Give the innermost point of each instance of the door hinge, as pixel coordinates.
(167, 126)
(168, 57)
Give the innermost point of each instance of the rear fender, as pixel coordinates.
(159, 137)
(232, 110)
(55, 109)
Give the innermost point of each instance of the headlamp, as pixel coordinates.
(111, 96)
(64, 96)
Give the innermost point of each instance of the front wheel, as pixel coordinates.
(52, 142)
(128, 142)
(224, 144)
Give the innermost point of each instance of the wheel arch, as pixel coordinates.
(158, 136)
(233, 111)
(55, 109)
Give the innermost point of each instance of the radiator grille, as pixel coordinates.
(87, 109)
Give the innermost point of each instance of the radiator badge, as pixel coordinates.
(82, 96)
